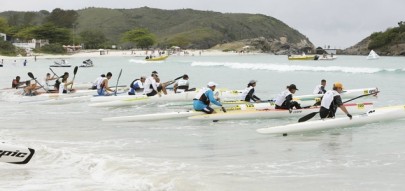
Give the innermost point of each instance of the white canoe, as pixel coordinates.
(346, 94)
(127, 100)
(15, 154)
(260, 113)
(154, 116)
(372, 116)
(175, 115)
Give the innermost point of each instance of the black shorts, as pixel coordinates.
(327, 113)
(154, 92)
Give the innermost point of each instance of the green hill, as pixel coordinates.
(390, 42)
(194, 29)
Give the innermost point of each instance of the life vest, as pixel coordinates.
(182, 84)
(57, 83)
(280, 99)
(14, 83)
(327, 100)
(132, 85)
(100, 83)
(246, 92)
(202, 96)
(318, 90)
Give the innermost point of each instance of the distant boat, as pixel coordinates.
(303, 57)
(61, 63)
(87, 63)
(327, 57)
(157, 58)
(372, 55)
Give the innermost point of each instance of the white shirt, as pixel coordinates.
(245, 92)
(100, 82)
(97, 81)
(281, 97)
(318, 89)
(328, 98)
(150, 81)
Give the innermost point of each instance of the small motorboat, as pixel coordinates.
(61, 63)
(87, 63)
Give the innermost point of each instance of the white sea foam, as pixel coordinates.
(292, 68)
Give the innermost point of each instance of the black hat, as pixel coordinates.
(154, 72)
(292, 86)
(185, 76)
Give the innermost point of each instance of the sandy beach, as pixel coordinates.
(116, 53)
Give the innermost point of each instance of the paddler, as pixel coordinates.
(331, 100)
(285, 99)
(249, 93)
(182, 85)
(103, 89)
(47, 79)
(16, 82)
(204, 97)
(97, 81)
(320, 89)
(136, 86)
(30, 89)
(151, 87)
(63, 85)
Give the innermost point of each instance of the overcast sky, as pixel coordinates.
(338, 23)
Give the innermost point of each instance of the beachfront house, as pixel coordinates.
(3, 36)
(30, 44)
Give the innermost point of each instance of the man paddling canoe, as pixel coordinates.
(285, 99)
(204, 97)
(331, 100)
(103, 89)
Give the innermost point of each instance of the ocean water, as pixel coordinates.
(75, 150)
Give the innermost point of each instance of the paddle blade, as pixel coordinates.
(116, 85)
(75, 70)
(307, 117)
(31, 75)
(178, 78)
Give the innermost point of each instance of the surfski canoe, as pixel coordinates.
(121, 101)
(179, 114)
(15, 154)
(346, 94)
(372, 116)
(153, 116)
(241, 113)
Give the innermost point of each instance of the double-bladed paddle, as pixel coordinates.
(74, 75)
(311, 115)
(172, 81)
(116, 85)
(54, 73)
(32, 77)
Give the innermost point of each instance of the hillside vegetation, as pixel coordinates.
(186, 28)
(390, 42)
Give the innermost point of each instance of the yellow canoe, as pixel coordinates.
(158, 58)
(303, 57)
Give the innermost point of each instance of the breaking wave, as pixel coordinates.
(292, 68)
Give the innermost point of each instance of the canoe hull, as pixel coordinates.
(372, 116)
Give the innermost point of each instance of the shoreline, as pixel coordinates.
(116, 53)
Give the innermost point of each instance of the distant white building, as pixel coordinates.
(330, 51)
(4, 36)
(31, 44)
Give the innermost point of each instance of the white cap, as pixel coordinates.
(210, 84)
